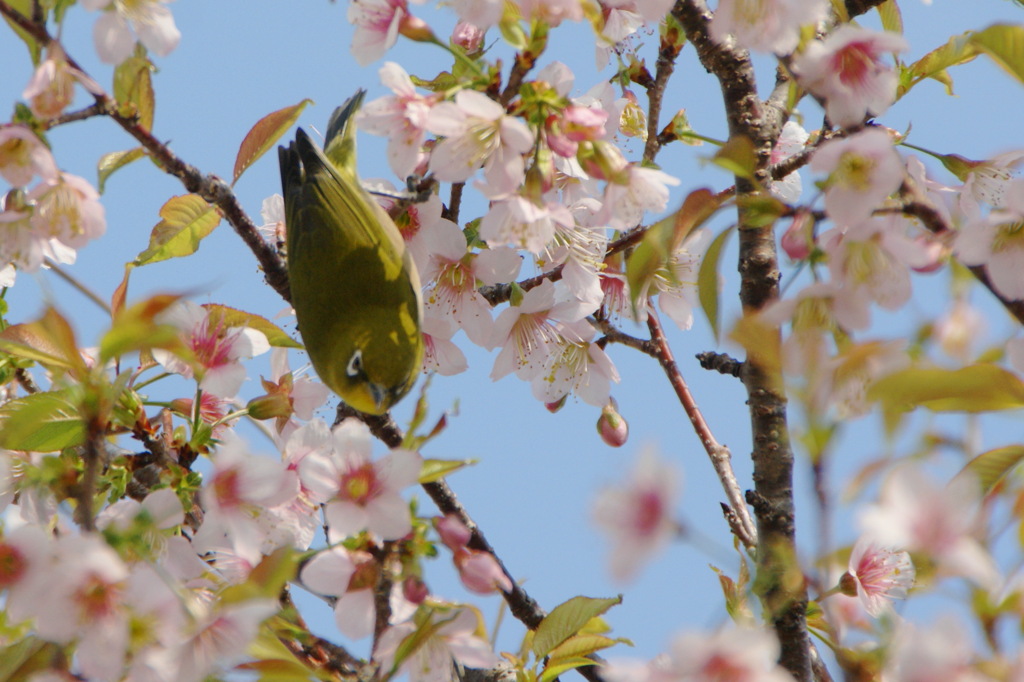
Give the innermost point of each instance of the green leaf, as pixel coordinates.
(135, 329)
(187, 220)
(436, 469)
(264, 135)
(707, 280)
(21, 659)
(580, 645)
(232, 317)
(737, 156)
(665, 237)
(50, 341)
(892, 19)
(566, 620)
(992, 466)
(958, 50)
(133, 89)
(115, 161)
(977, 388)
(553, 669)
(1004, 44)
(267, 579)
(41, 422)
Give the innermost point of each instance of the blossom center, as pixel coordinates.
(854, 171)
(97, 598)
(854, 63)
(12, 565)
(360, 485)
(1008, 236)
(650, 509)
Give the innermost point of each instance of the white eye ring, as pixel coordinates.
(355, 364)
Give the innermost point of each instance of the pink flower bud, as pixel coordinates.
(415, 590)
(480, 572)
(557, 405)
(613, 428)
(454, 533)
(797, 240)
(935, 255)
(467, 36)
(416, 29)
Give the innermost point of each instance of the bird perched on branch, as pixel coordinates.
(354, 287)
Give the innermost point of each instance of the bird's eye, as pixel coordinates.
(355, 364)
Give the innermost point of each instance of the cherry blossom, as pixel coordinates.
(863, 170)
(552, 12)
(221, 636)
(791, 141)
(765, 25)
(916, 513)
(519, 221)
(272, 212)
(640, 190)
(351, 577)
(122, 24)
(676, 283)
(879, 575)
(377, 24)
(480, 13)
(527, 333)
(576, 365)
(988, 181)
(452, 277)
(996, 240)
(939, 653)
(637, 515)
(361, 494)
(479, 571)
(287, 394)
(847, 72)
(68, 209)
(440, 354)
(456, 637)
(52, 87)
(477, 132)
(402, 117)
(736, 654)
(217, 349)
(959, 329)
(23, 156)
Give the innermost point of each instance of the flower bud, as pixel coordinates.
(797, 241)
(469, 37)
(415, 590)
(612, 427)
(454, 533)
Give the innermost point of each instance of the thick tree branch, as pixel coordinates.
(782, 589)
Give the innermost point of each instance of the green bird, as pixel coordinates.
(354, 287)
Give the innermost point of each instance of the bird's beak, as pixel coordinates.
(379, 395)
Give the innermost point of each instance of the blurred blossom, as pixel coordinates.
(470, 36)
(986, 181)
(676, 283)
(454, 638)
(959, 328)
(734, 654)
(351, 577)
(122, 24)
(480, 13)
(996, 240)
(765, 25)
(68, 209)
(847, 72)
(24, 156)
(552, 12)
(217, 348)
(941, 652)
(52, 87)
(863, 170)
(639, 191)
(791, 141)
(638, 514)
(918, 514)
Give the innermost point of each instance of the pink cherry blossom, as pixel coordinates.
(21, 245)
(918, 514)
(217, 348)
(477, 132)
(637, 515)
(996, 240)
(874, 258)
(52, 87)
(576, 365)
(527, 333)
(940, 652)
(26, 559)
(791, 141)
(122, 24)
(361, 494)
(221, 636)
(879, 575)
(24, 156)
(734, 654)
(863, 170)
(351, 577)
(480, 13)
(377, 24)
(552, 12)
(272, 212)
(440, 354)
(452, 277)
(456, 638)
(988, 181)
(479, 571)
(765, 25)
(68, 209)
(402, 117)
(639, 190)
(521, 222)
(847, 72)
(676, 285)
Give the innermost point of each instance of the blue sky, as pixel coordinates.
(538, 473)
